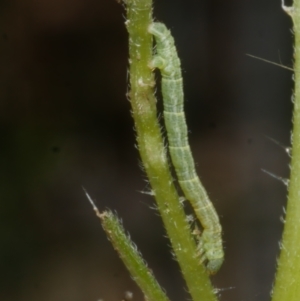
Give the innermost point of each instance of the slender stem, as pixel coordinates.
(153, 151)
(131, 257)
(287, 284)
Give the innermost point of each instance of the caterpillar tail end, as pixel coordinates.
(212, 257)
(214, 265)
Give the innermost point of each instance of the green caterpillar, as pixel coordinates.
(166, 60)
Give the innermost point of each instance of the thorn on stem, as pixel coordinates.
(287, 149)
(270, 62)
(282, 180)
(93, 204)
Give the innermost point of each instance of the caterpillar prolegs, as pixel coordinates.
(166, 60)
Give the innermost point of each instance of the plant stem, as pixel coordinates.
(131, 257)
(153, 151)
(287, 284)
(129, 254)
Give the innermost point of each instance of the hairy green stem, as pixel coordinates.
(153, 152)
(131, 257)
(287, 284)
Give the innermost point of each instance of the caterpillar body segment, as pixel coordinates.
(167, 61)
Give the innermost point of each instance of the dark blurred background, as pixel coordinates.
(65, 122)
